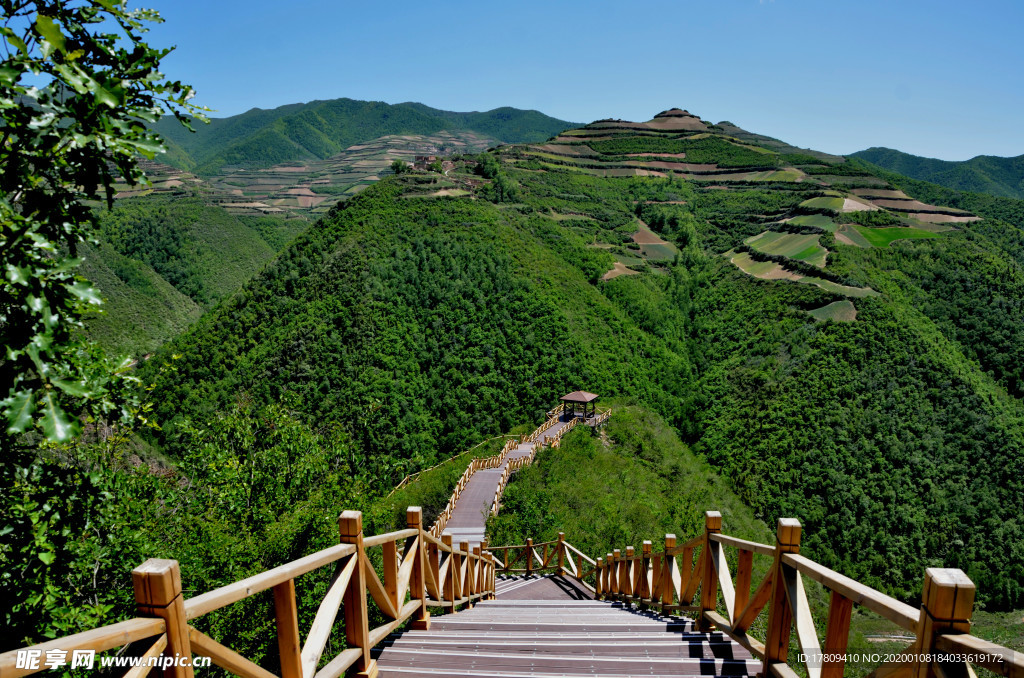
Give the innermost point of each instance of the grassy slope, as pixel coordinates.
(985, 173)
(202, 250)
(165, 259)
(141, 310)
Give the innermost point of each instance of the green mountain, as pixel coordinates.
(165, 258)
(838, 346)
(320, 129)
(983, 174)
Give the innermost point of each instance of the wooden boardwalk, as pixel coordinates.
(546, 631)
(469, 517)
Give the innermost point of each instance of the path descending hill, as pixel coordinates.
(469, 518)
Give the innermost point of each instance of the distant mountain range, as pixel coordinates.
(320, 129)
(985, 173)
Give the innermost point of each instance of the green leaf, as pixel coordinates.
(74, 388)
(105, 97)
(57, 426)
(48, 28)
(19, 412)
(8, 75)
(47, 557)
(86, 292)
(17, 43)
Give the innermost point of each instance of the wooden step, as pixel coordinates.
(548, 638)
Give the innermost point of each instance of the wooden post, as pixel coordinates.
(668, 565)
(357, 622)
(744, 571)
(478, 569)
(468, 582)
(709, 583)
(451, 592)
(418, 580)
(837, 635)
(947, 603)
(561, 553)
(157, 584)
(529, 556)
(645, 572)
(616, 556)
(780, 616)
(390, 560)
(598, 579)
(626, 573)
(289, 645)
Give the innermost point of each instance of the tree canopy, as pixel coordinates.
(78, 89)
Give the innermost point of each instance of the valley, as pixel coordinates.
(808, 335)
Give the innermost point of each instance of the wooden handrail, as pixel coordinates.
(418, 572)
(656, 580)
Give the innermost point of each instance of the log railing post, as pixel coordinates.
(286, 615)
(615, 557)
(947, 603)
(467, 580)
(744, 572)
(837, 636)
(418, 580)
(645, 573)
(478, 569)
(709, 583)
(561, 553)
(451, 592)
(626, 573)
(529, 556)
(668, 565)
(357, 621)
(157, 584)
(780, 615)
(598, 579)
(390, 562)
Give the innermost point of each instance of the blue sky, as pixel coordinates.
(940, 79)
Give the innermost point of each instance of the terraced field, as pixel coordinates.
(770, 270)
(824, 203)
(653, 247)
(797, 246)
(816, 220)
(883, 237)
(312, 188)
(839, 311)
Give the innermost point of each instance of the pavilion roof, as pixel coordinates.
(579, 397)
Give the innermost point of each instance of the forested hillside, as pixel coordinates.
(824, 339)
(319, 129)
(836, 349)
(163, 259)
(995, 175)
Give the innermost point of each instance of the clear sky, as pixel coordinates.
(942, 79)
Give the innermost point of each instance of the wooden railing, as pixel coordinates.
(557, 411)
(489, 462)
(557, 557)
(419, 572)
(661, 581)
(412, 476)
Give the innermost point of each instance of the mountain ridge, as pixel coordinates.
(320, 128)
(996, 175)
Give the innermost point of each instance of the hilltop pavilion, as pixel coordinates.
(582, 403)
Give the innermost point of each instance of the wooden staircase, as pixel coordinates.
(536, 628)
